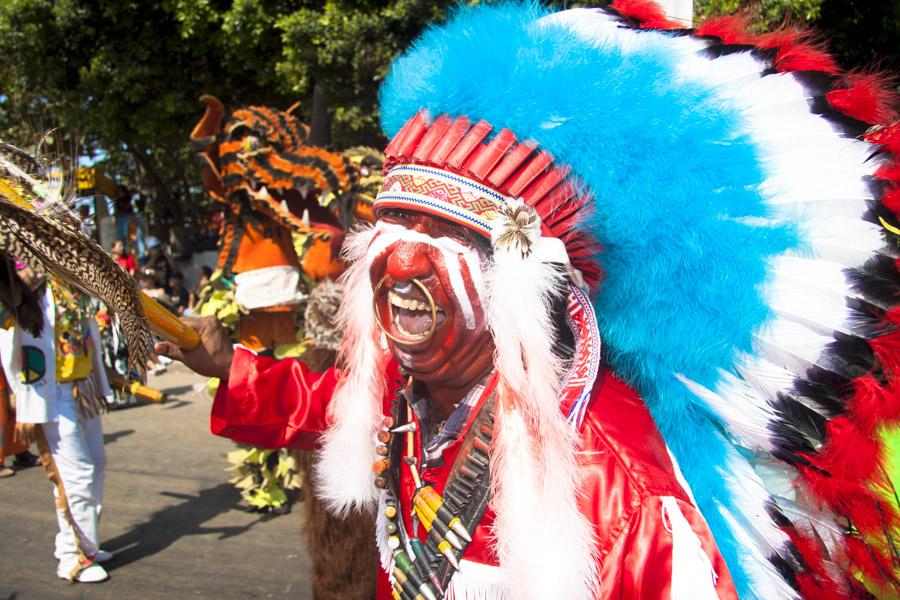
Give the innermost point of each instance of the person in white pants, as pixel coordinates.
(60, 388)
(76, 444)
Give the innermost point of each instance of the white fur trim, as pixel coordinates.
(344, 469)
(271, 286)
(552, 250)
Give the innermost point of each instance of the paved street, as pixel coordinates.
(173, 521)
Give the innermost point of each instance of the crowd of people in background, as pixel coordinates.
(157, 275)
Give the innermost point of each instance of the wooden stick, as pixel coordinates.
(135, 388)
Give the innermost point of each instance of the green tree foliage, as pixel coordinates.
(347, 48)
(122, 77)
(860, 33)
(770, 12)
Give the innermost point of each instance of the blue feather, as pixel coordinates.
(673, 181)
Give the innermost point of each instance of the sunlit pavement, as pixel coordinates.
(170, 516)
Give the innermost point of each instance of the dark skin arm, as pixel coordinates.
(212, 358)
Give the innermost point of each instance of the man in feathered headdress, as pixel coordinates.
(746, 234)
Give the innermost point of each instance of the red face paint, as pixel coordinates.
(461, 343)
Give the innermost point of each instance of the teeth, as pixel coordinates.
(407, 303)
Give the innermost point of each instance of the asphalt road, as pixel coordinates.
(174, 522)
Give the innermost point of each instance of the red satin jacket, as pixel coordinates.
(628, 472)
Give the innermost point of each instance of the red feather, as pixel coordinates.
(887, 136)
(850, 498)
(889, 170)
(816, 582)
(849, 452)
(733, 29)
(805, 56)
(887, 349)
(785, 36)
(891, 199)
(872, 563)
(812, 588)
(893, 315)
(646, 12)
(869, 403)
(867, 97)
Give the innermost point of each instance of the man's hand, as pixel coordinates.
(212, 357)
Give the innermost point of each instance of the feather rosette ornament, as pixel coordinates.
(516, 228)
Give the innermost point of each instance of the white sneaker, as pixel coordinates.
(102, 556)
(92, 573)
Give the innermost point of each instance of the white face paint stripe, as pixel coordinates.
(407, 235)
(473, 262)
(452, 252)
(454, 270)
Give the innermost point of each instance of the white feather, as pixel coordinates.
(823, 311)
(824, 276)
(475, 581)
(385, 554)
(766, 377)
(693, 576)
(534, 468)
(752, 500)
(745, 413)
(768, 584)
(850, 242)
(790, 345)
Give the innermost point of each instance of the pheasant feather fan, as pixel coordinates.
(35, 230)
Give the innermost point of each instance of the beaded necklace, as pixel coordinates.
(71, 314)
(424, 570)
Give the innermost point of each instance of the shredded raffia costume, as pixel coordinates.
(717, 208)
(288, 203)
(258, 162)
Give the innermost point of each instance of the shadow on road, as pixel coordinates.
(168, 525)
(169, 405)
(114, 436)
(178, 390)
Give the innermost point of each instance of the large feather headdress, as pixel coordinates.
(745, 199)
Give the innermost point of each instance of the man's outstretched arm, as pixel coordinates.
(261, 401)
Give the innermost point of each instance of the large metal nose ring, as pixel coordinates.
(427, 335)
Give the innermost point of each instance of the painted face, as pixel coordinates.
(423, 262)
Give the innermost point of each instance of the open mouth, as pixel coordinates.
(411, 312)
